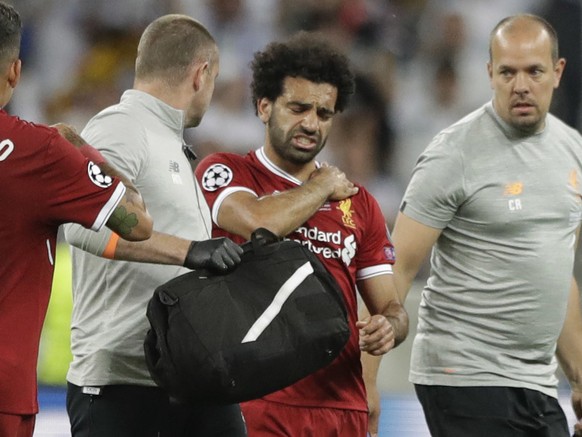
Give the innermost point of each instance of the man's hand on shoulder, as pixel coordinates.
(335, 180)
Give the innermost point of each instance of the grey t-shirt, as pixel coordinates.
(143, 138)
(508, 207)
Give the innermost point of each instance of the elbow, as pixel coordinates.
(142, 230)
(245, 226)
(131, 219)
(131, 226)
(270, 223)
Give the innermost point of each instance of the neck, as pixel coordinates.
(5, 95)
(172, 96)
(300, 171)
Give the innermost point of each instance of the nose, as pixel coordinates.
(521, 84)
(311, 121)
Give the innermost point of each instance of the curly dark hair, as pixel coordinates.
(305, 55)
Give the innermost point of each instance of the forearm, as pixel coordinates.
(370, 367)
(413, 242)
(403, 280)
(299, 205)
(281, 213)
(398, 318)
(159, 249)
(569, 350)
(370, 363)
(382, 313)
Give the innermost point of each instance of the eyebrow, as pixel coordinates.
(528, 67)
(305, 105)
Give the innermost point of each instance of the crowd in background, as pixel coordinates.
(420, 66)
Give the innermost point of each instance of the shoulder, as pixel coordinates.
(113, 128)
(16, 128)
(466, 128)
(222, 162)
(222, 157)
(462, 141)
(558, 127)
(220, 170)
(116, 117)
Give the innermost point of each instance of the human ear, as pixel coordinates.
(14, 73)
(264, 109)
(200, 70)
(558, 70)
(490, 73)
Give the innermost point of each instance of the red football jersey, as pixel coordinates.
(45, 182)
(350, 238)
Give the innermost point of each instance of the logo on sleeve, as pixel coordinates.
(389, 254)
(216, 176)
(97, 176)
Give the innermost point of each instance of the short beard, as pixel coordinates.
(527, 128)
(282, 146)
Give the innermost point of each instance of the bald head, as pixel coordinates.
(524, 70)
(169, 46)
(532, 25)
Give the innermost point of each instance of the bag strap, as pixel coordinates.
(261, 240)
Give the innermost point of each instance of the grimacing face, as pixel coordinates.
(299, 121)
(523, 75)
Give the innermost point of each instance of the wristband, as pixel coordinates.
(92, 153)
(109, 251)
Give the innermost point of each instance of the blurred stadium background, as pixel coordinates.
(420, 65)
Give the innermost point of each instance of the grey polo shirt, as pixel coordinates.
(508, 207)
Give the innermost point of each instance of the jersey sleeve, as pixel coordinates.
(75, 189)
(436, 188)
(375, 255)
(220, 175)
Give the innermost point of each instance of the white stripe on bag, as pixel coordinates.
(275, 307)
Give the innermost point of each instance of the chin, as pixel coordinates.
(527, 127)
(193, 122)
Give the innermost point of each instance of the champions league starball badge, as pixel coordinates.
(216, 176)
(97, 176)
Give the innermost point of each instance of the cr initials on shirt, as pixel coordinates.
(6, 148)
(514, 204)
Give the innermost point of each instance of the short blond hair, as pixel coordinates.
(169, 46)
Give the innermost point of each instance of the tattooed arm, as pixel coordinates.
(130, 219)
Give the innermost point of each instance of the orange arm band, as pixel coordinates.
(109, 251)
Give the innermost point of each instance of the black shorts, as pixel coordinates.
(137, 411)
(491, 412)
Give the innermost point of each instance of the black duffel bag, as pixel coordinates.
(276, 318)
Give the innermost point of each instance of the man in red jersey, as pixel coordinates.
(45, 182)
(298, 87)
